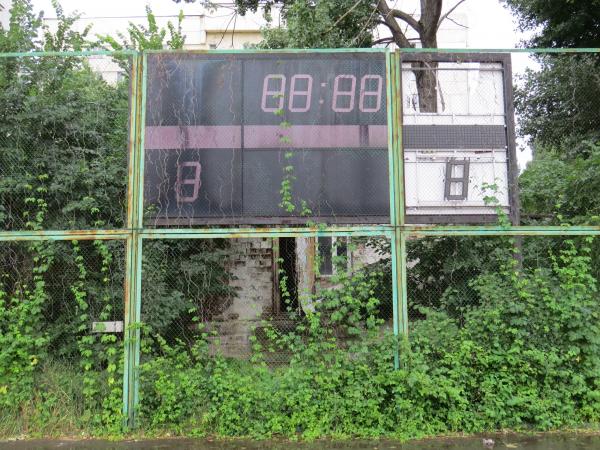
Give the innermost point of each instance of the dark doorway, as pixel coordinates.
(287, 277)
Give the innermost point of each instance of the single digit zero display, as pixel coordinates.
(230, 137)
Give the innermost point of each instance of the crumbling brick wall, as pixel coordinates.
(251, 266)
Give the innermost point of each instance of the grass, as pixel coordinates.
(55, 408)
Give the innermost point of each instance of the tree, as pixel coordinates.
(558, 105)
(558, 111)
(150, 37)
(559, 23)
(327, 29)
(426, 25)
(63, 165)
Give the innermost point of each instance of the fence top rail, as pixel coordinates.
(295, 50)
(274, 51)
(523, 230)
(70, 53)
(369, 230)
(379, 50)
(500, 50)
(63, 235)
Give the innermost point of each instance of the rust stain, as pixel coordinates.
(133, 105)
(66, 235)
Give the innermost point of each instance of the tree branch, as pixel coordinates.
(445, 16)
(343, 15)
(410, 20)
(390, 22)
(386, 40)
(455, 22)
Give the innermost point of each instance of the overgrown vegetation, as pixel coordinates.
(63, 165)
(527, 356)
(496, 343)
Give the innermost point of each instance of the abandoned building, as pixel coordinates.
(256, 267)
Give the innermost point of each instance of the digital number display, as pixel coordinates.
(223, 132)
(300, 93)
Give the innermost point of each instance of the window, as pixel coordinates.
(457, 179)
(333, 255)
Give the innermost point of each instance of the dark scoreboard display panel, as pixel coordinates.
(228, 136)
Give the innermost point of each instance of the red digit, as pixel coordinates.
(339, 93)
(194, 181)
(364, 92)
(269, 93)
(307, 93)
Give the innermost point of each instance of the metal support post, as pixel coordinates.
(133, 272)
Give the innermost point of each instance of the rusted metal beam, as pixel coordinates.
(64, 235)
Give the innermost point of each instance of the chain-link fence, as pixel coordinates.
(237, 292)
(61, 318)
(448, 274)
(64, 136)
(63, 142)
(175, 228)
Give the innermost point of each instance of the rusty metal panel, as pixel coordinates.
(265, 138)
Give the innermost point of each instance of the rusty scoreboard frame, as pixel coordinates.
(288, 138)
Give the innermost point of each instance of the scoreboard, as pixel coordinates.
(267, 138)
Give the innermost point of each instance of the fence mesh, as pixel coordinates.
(558, 119)
(454, 280)
(256, 309)
(240, 294)
(63, 142)
(61, 334)
(285, 139)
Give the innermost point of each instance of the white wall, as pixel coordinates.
(468, 94)
(201, 26)
(5, 13)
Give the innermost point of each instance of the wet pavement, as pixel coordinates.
(505, 441)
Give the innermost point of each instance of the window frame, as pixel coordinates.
(334, 247)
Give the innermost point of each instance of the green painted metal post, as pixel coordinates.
(398, 243)
(137, 238)
(403, 285)
(392, 142)
(133, 270)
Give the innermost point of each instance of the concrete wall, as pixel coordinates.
(251, 265)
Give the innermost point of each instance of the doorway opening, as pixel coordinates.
(286, 277)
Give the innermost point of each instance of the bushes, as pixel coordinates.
(527, 357)
(526, 354)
